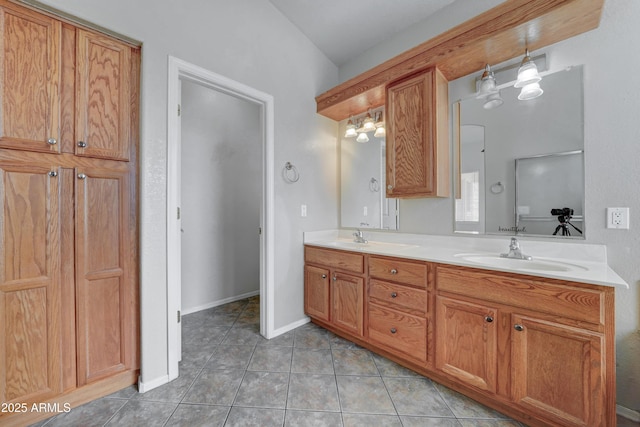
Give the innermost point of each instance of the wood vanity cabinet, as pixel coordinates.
(334, 288)
(544, 346)
(539, 350)
(417, 136)
(68, 224)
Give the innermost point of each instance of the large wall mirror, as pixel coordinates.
(522, 163)
(362, 191)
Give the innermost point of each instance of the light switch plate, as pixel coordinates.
(618, 218)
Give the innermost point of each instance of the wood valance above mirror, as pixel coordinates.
(492, 37)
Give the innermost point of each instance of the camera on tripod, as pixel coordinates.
(564, 217)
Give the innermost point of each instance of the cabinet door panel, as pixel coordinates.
(558, 371)
(104, 309)
(30, 368)
(410, 159)
(103, 96)
(347, 296)
(29, 88)
(466, 342)
(316, 292)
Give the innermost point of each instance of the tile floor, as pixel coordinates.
(231, 376)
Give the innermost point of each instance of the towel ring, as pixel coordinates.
(497, 188)
(290, 173)
(374, 185)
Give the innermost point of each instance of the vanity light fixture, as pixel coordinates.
(488, 90)
(487, 83)
(351, 129)
(359, 127)
(528, 72)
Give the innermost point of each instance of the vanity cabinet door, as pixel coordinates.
(558, 371)
(466, 342)
(316, 292)
(347, 303)
(417, 136)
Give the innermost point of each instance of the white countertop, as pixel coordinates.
(579, 262)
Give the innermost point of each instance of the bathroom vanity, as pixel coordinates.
(532, 339)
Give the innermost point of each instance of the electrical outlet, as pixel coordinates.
(365, 211)
(618, 218)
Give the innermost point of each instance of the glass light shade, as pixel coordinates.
(380, 132)
(527, 73)
(494, 100)
(351, 130)
(368, 125)
(362, 137)
(487, 84)
(530, 91)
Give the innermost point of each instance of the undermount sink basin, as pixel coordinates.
(350, 244)
(536, 264)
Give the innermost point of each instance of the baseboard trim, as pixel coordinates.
(220, 302)
(290, 327)
(627, 413)
(144, 387)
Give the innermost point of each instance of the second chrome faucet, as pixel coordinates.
(514, 251)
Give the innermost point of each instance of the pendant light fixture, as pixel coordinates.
(530, 91)
(351, 129)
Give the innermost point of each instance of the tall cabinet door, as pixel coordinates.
(30, 83)
(30, 367)
(347, 308)
(104, 299)
(103, 104)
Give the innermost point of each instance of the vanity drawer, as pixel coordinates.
(568, 301)
(342, 260)
(399, 297)
(411, 273)
(399, 331)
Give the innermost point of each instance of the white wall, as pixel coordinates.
(612, 150)
(221, 192)
(248, 41)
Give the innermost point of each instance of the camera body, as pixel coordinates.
(566, 212)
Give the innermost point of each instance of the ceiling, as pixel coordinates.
(344, 29)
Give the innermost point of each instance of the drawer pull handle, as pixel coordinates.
(488, 319)
(82, 144)
(394, 330)
(324, 276)
(394, 271)
(393, 294)
(518, 328)
(52, 141)
(335, 278)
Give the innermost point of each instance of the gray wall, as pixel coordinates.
(612, 150)
(221, 192)
(248, 41)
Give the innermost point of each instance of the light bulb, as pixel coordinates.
(362, 137)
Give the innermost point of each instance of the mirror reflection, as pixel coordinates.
(362, 173)
(521, 163)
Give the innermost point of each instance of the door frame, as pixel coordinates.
(178, 71)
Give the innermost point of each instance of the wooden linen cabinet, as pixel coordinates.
(69, 100)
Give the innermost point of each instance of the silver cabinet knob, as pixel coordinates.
(53, 174)
(82, 176)
(52, 141)
(324, 276)
(389, 187)
(82, 144)
(335, 278)
(518, 328)
(488, 319)
(394, 271)
(394, 294)
(393, 330)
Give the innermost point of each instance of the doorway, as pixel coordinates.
(262, 104)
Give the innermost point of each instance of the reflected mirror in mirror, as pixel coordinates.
(362, 176)
(536, 134)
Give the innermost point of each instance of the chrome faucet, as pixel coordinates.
(358, 237)
(514, 251)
